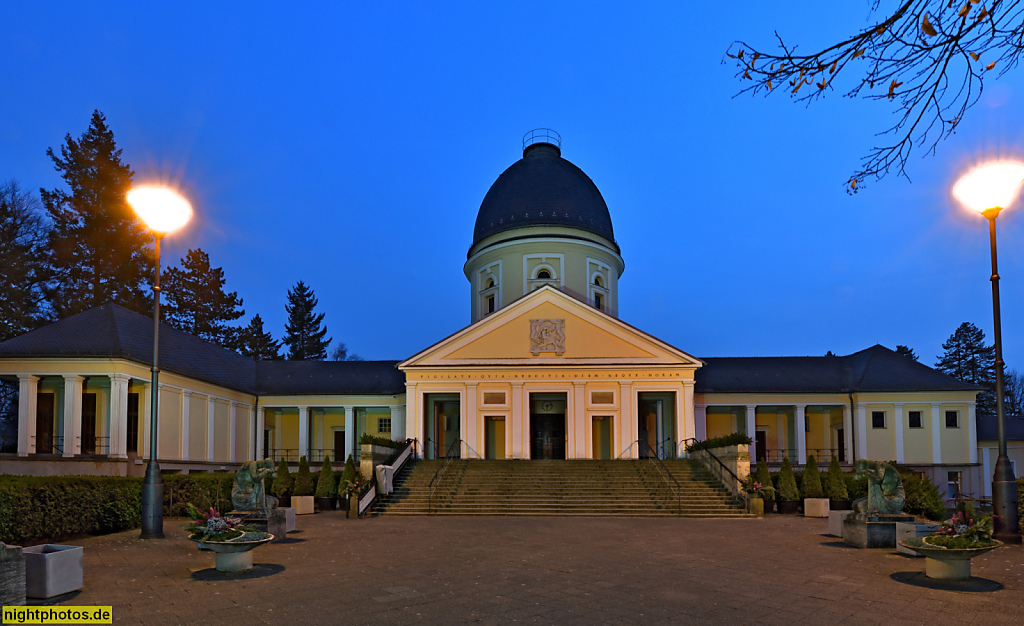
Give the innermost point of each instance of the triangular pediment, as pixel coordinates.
(548, 327)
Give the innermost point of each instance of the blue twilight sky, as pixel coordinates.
(349, 145)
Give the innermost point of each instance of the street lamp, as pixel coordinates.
(163, 211)
(988, 189)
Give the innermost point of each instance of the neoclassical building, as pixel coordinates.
(545, 370)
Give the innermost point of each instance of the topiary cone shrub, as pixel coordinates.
(325, 485)
(303, 480)
(348, 476)
(283, 483)
(765, 478)
(812, 479)
(788, 491)
(836, 485)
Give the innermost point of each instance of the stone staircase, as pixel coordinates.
(559, 488)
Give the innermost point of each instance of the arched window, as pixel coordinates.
(543, 275)
(489, 284)
(597, 281)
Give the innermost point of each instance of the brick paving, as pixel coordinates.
(490, 570)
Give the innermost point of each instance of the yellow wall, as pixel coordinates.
(881, 444)
(169, 425)
(917, 442)
(197, 427)
(954, 440)
(220, 432)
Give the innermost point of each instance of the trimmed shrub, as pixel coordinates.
(284, 481)
(836, 481)
(304, 485)
(812, 479)
(325, 485)
(348, 476)
(733, 439)
(204, 490)
(787, 489)
(923, 497)
(387, 442)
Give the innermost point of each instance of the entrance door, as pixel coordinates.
(601, 437)
(548, 436)
(495, 437)
(650, 428)
(44, 423)
(88, 423)
(761, 442)
(442, 414)
(841, 444)
(339, 447)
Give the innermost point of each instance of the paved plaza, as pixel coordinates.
(433, 570)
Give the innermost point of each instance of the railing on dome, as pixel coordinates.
(542, 135)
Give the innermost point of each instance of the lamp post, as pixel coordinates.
(988, 189)
(163, 211)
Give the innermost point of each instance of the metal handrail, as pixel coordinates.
(439, 474)
(741, 493)
(665, 473)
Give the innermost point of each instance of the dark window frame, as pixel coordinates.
(875, 415)
(910, 419)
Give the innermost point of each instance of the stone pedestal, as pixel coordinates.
(276, 524)
(835, 522)
(909, 530)
(233, 561)
(12, 576)
(872, 531)
(289, 519)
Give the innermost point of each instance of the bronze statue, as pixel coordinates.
(885, 489)
(249, 492)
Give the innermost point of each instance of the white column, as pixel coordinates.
(972, 434)
(398, 422)
(27, 407)
(350, 432)
(936, 434)
(145, 420)
(261, 421)
(800, 424)
(118, 418)
(752, 431)
(413, 419)
(861, 417)
(186, 397)
(472, 434)
(232, 421)
(304, 432)
(848, 432)
(686, 421)
(584, 432)
(518, 419)
(897, 422)
(700, 422)
(627, 420)
(72, 415)
(211, 412)
(986, 471)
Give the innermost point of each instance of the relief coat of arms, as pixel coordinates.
(547, 336)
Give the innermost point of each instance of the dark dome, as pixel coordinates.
(543, 189)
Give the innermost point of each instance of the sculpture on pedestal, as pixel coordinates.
(249, 492)
(885, 489)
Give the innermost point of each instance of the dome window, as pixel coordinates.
(543, 275)
(489, 294)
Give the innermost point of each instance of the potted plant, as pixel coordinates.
(303, 489)
(838, 496)
(949, 551)
(765, 479)
(282, 485)
(226, 537)
(815, 502)
(346, 482)
(788, 498)
(758, 494)
(326, 488)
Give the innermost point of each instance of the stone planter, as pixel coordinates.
(835, 522)
(233, 556)
(840, 505)
(769, 506)
(303, 505)
(755, 506)
(945, 563)
(788, 507)
(284, 502)
(816, 507)
(370, 456)
(327, 504)
(911, 530)
(353, 506)
(52, 570)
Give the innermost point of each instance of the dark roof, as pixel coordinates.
(875, 369)
(988, 428)
(543, 189)
(113, 331)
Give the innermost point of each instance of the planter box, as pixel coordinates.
(835, 522)
(788, 507)
(303, 505)
(816, 507)
(755, 506)
(52, 570)
(909, 530)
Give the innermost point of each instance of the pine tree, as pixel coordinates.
(196, 301)
(967, 358)
(1013, 394)
(256, 343)
(98, 247)
(23, 246)
(304, 332)
(907, 352)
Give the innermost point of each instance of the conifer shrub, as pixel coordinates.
(836, 481)
(763, 475)
(812, 479)
(787, 489)
(283, 483)
(922, 496)
(304, 485)
(325, 485)
(348, 476)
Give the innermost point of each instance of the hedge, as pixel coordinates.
(55, 507)
(386, 442)
(734, 439)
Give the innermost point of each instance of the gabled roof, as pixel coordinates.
(876, 369)
(988, 428)
(112, 331)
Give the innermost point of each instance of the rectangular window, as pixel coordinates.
(494, 397)
(952, 419)
(602, 397)
(878, 419)
(914, 419)
(384, 424)
(490, 304)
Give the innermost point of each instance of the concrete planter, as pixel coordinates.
(911, 530)
(816, 507)
(835, 522)
(303, 505)
(289, 519)
(944, 563)
(756, 507)
(234, 556)
(52, 570)
(788, 507)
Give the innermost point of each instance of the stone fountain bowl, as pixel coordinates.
(946, 563)
(234, 556)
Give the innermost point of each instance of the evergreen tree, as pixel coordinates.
(326, 486)
(907, 352)
(196, 300)
(304, 332)
(1013, 394)
(341, 353)
(836, 481)
(303, 485)
(966, 357)
(787, 482)
(812, 479)
(256, 343)
(98, 247)
(23, 247)
(283, 482)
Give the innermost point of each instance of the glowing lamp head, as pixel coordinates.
(990, 186)
(161, 209)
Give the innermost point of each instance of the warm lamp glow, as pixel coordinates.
(160, 208)
(990, 185)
